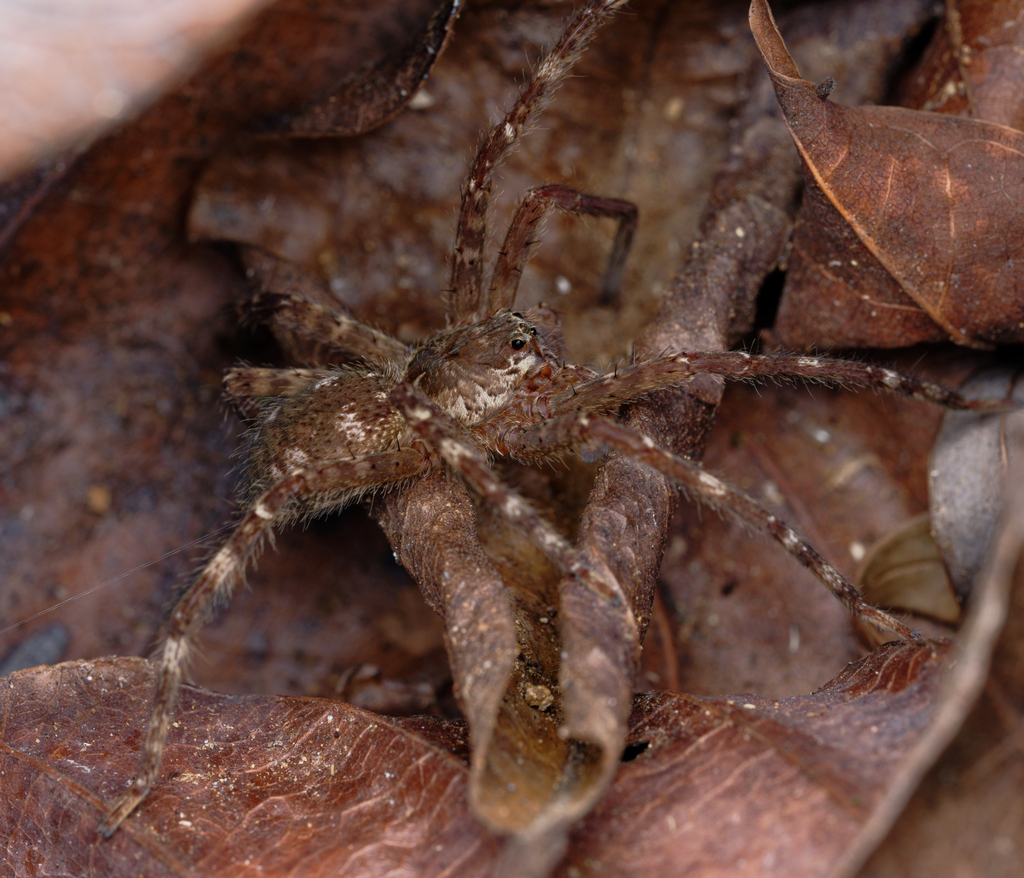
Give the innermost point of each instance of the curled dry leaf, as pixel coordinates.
(372, 96)
(497, 624)
(909, 230)
(905, 571)
(277, 784)
(970, 463)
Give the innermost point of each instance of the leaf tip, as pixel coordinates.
(769, 41)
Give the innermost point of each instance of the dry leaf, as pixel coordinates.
(909, 229)
(122, 333)
(262, 784)
(275, 784)
(969, 466)
(746, 786)
(904, 571)
(972, 64)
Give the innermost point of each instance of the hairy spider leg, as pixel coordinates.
(226, 569)
(245, 386)
(344, 336)
(519, 241)
(607, 392)
(456, 446)
(466, 283)
(460, 451)
(579, 428)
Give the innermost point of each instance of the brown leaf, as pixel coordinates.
(973, 64)
(966, 816)
(743, 785)
(121, 337)
(372, 96)
(900, 239)
(263, 784)
(904, 571)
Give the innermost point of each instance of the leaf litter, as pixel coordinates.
(715, 319)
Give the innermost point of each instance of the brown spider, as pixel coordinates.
(492, 384)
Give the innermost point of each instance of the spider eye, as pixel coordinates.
(518, 344)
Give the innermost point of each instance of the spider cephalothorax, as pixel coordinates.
(472, 373)
(491, 384)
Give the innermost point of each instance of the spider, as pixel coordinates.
(492, 384)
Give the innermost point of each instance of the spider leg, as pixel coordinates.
(301, 303)
(471, 233)
(519, 240)
(460, 451)
(244, 386)
(225, 570)
(607, 392)
(344, 337)
(579, 428)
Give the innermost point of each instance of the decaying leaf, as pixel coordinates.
(966, 814)
(254, 784)
(909, 231)
(905, 571)
(123, 331)
(278, 784)
(972, 64)
(969, 466)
